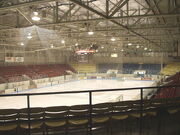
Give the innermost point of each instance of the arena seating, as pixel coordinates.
(172, 91)
(15, 73)
(128, 68)
(84, 68)
(171, 68)
(2, 80)
(152, 68)
(121, 117)
(104, 67)
(149, 68)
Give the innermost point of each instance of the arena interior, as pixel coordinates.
(89, 67)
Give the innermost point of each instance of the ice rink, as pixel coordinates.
(73, 99)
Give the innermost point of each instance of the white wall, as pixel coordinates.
(3, 86)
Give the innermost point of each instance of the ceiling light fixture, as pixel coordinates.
(102, 47)
(137, 46)
(35, 17)
(76, 44)
(29, 36)
(145, 48)
(22, 44)
(113, 39)
(35, 13)
(90, 33)
(62, 41)
(129, 44)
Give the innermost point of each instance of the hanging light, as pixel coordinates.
(29, 36)
(35, 17)
(76, 44)
(129, 44)
(90, 33)
(137, 46)
(22, 44)
(62, 41)
(35, 13)
(102, 47)
(113, 39)
(52, 46)
(145, 48)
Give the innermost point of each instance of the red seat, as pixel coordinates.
(15, 73)
(170, 92)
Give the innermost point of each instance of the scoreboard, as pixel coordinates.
(82, 56)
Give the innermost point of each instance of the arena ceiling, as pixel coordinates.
(121, 25)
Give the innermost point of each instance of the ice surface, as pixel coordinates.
(73, 99)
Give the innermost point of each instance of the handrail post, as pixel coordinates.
(90, 113)
(141, 112)
(29, 117)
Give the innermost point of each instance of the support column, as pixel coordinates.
(56, 12)
(178, 42)
(17, 19)
(107, 8)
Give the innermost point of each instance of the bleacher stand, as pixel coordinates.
(171, 91)
(128, 68)
(15, 73)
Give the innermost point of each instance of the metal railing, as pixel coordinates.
(90, 92)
